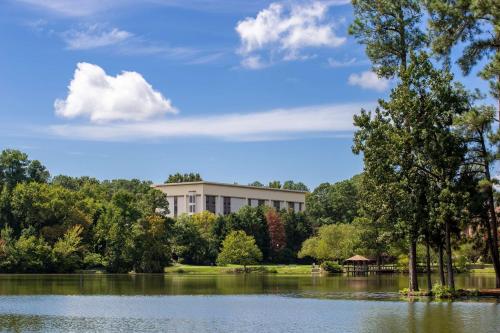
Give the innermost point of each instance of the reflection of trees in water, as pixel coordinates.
(422, 316)
(171, 284)
(19, 323)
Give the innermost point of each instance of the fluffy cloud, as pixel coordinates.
(286, 29)
(94, 36)
(103, 98)
(368, 80)
(279, 124)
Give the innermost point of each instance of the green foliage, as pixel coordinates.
(475, 23)
(277, 236)
(256, 184)
(183, 178)
(440, 291)
(334, 203)
(291, 185)
(32, 254)
(190, 246)
(389, 30)
(333, 242)
(240, 249)
(274, 184)
(15, 168)
(331, 267)
(149, 245)
(67, 251)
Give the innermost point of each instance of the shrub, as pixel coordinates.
(440, 291)
(331, 267)
(461, 264)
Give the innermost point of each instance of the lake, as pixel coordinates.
(235, 303)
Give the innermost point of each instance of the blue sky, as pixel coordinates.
(235, 90)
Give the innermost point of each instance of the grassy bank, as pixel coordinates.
(234, 269)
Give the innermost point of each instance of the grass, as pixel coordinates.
(232, 269)
(483, 270)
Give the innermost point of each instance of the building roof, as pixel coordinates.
(358, 258)
(231, 185)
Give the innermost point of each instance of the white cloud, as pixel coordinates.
(279, 124)
(339, 64)
(253, 62)
(368, 80)
(103, 98)
(286, 29)
(72, 7)
(94, 36)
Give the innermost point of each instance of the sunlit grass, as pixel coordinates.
(231, 269)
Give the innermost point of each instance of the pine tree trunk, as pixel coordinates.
(492, 224)
(449, 261)
(413, 266)
(441, 265)
(428, 264)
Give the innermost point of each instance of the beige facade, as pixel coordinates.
(195, 197)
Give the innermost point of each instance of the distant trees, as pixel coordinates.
(334, 203)
(277, 236)
(183, 178)
(240, 249)
(287, 185)
(333, 242)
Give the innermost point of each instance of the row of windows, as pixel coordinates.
(210, 204)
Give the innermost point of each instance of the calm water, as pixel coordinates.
(235, 303)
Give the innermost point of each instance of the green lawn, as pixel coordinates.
(231, 269)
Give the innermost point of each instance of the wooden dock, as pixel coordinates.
(489, 292)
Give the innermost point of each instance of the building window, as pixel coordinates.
(192, 202)
(291, 205)
(210, 203)
(300, 206)
(276, 204)
(249, 203)
(176, 207)
(261, 203)
(227, 206)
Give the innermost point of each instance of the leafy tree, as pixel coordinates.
(476, 128)
(253, 222)
(476, 23)
(389, 30)
(240, 249)
(334, 203)
(189, 246)
(149, 244)
(51, 210)
(276, 231)
(13, 166)
(32, 254)
(183, 178)
(37, 172)
(298, 228)
(291, 185)
(68, 251)
(274, 184)
(333, 242)
(256, 184)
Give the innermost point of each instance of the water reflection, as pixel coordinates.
(375, 286)
(240, 313)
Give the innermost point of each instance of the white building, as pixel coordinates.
(218, 198)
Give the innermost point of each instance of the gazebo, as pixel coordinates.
(359, 264)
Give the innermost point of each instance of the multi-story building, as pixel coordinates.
(218, 198)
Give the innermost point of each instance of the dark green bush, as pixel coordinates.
(331, 267)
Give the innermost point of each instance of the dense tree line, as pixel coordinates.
(429, 148)
(64, 223)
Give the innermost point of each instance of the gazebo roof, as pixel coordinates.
(358, 258)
